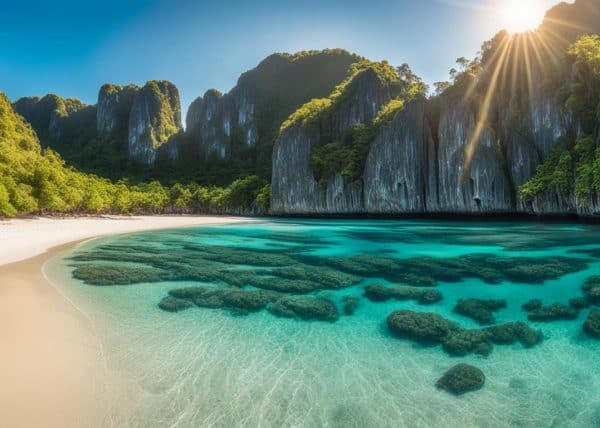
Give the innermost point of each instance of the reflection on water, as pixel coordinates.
(284, 322)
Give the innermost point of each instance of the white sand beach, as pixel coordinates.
(50, 361)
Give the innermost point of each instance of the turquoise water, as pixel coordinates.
(227, 367)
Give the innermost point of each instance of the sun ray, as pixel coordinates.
(484, 109)
(528, 68)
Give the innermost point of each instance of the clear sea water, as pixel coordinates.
(211, 367)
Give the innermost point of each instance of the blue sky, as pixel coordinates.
(72, 47)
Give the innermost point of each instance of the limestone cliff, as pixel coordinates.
(154, 118)
(294, 189)
(113, 108)
(392, 182)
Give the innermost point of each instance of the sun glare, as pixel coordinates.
(521, 15)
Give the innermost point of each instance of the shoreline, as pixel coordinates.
(51, 365)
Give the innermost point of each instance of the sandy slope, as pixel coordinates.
(51, 368)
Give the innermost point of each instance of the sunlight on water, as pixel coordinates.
(231, 367)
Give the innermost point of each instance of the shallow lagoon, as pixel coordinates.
(224, 367)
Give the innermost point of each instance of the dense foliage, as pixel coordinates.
(36, 181)
(346, 156)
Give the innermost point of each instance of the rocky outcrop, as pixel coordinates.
(205, 126)
(113, 108)
(471, 178)
(154, 118)
(294, 189)
(392, 184)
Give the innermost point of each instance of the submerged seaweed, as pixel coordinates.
(432, 328)
(553, 312)
(461, 378)
(481, 310)
(380, 293)
(592, 324)
(306, 308)
(245, 301)
(293, 271)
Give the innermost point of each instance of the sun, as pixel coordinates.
(518, 16)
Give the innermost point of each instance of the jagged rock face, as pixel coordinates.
(367, 95)
(113, 108)
(470, 174)
(194, 114)
(207, 126)
(528, 138)
(397, 172)
(154, 118)
(217, 121)
(293, 186)
(222, 120)
(294, 189)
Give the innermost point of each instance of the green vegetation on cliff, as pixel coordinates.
(346, 156)
(317, 109)
(347, 153)
(167, 121)
(574, 164)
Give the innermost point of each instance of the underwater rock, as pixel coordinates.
(421, 326)
(350, 304)
(173, 304)
(461, 378)
(592, 324)
(579, 303)
(380, 293)
(532, 305)
(554, 312)
(306, 308)
(591, 288)
(478, 309)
